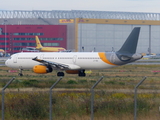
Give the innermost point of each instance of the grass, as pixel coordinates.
(75, 105)
(28, 96)
(121, 77)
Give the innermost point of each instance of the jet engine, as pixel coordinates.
(41, 69)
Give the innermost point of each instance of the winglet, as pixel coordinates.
(36, 59)
(38, 43)
(130, 44)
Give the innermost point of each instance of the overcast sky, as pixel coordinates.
(152, 6)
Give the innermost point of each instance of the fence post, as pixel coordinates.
(135, 97)
(50, 97)
(92, 97)
(3, 92)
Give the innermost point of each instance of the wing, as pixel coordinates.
(57, 65)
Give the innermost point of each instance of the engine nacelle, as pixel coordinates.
(41, 69)
(72, 71)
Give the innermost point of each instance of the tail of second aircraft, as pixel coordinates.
(38, 43)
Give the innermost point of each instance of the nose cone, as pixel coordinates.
(6, 63)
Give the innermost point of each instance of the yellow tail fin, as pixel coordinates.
(38, 43)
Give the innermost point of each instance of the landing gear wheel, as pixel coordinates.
(20, 74)
(60, 74)
(82, 73)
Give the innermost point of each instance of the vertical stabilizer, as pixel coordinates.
(38, 43)
(130, 44)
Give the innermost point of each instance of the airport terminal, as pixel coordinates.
(82, 30)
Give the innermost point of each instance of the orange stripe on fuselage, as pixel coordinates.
(104, 59)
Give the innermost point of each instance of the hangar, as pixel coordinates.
(90, 30)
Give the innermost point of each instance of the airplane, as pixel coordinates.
(76, 62)
(149, 56)
(47, 49)
(29, 49)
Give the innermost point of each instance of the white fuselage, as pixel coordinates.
(76, 60)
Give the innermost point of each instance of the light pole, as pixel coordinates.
(5, 36)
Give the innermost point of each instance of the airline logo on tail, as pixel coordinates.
(38, 44)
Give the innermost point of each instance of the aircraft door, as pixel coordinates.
(74, 59)
(41, 56)
(15, 59)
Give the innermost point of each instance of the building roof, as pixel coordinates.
(71, 14)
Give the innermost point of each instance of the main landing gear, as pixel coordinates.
(82, 73)
(60, 74)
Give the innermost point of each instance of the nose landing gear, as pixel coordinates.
(20, 72)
